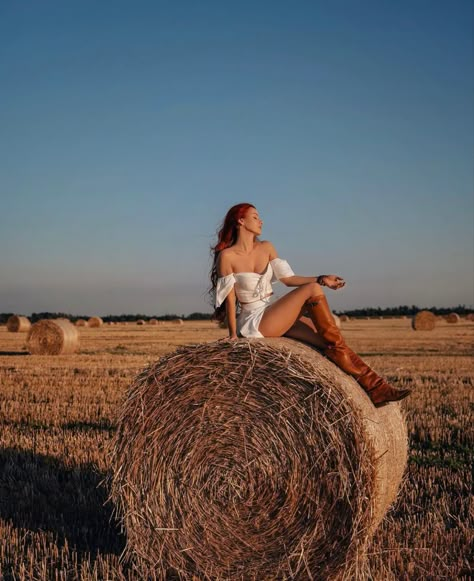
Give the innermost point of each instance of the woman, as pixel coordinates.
(244, 268)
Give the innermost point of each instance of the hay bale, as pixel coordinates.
(177, 321)
(252, 459)
(140, 322)
(337, 320)
(453, 318)
(344, 318)
(52, 337)
(81, 323)
(424, 321)
(470, 317)
(153, 322)
(95, 322)
(18, 324)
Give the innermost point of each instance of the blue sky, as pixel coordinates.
(129, 128)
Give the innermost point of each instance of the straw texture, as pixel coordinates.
(52, 337)
(81, 323)
(95, 322)
(17, 324)
(424, 321)
(252, 460)
(453, 318)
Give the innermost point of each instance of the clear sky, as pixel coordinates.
(127, 129)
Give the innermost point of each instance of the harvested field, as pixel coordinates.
(58, 414)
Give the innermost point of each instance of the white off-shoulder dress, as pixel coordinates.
(252, 290)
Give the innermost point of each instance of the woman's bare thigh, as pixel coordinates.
(279, 317)
(304, 330)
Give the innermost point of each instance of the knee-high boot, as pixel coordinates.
(336, 349)
(379, 391)
(338, 352)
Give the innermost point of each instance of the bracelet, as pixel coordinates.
(320, 279)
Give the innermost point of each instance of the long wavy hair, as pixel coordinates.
(226, 237)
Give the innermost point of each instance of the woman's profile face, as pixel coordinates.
(252, 222)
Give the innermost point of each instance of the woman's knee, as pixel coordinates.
(313, 291)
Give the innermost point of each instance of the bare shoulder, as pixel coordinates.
(224, 262)
(267, 246)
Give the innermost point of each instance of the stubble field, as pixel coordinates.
(57, 417)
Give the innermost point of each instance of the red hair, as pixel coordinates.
(226, 237)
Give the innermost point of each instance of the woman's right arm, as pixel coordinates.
(230, 312)
(224, 268)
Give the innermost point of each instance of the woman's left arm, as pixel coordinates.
(332, 281)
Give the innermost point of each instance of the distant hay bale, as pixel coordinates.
(424, 321)
(177, 321)
(344, 318)
(52, 337)
(470, 317)
(140, 322)
(95, 322)
(453, 318)
(252, 459)
(81, 323)
(153, 322)
(337, 320)
(18, 324)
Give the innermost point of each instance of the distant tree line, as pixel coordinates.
(365, 312)
(34, 317)
(404, 310)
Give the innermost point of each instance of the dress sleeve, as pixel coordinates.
(223, 288)
(281, 269)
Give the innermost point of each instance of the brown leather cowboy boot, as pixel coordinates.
(379, 391)
(336, 350)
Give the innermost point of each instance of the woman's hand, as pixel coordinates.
(333, 281)
(229, 338)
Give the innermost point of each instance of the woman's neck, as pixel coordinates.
(245, 241)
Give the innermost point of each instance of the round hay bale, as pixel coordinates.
(337, 320)
(177, 321)
(18, 324)
(95, 322)
(81, 323)
(344, 318)
(470, 317)
(52, 337)
(153, 322)
(140, 322)
(252, 459)
(453, 318)
(424, 321)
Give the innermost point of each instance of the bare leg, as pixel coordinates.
(279, 317)
(304, 330)
(283, 317)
